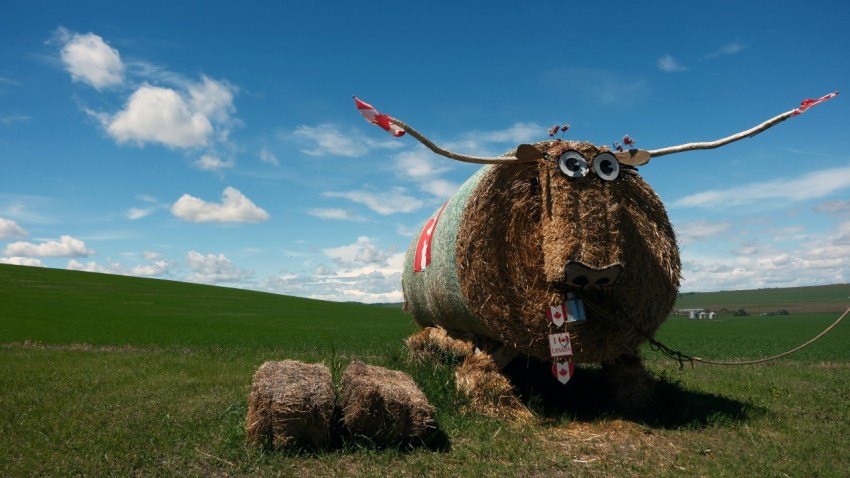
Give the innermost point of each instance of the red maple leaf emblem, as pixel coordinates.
(563, 340)
(563, 372)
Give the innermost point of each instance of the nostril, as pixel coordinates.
(580, 275)
(580, 281)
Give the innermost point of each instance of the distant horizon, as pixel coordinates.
(381, 303)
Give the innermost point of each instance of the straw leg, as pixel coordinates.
(633, 386)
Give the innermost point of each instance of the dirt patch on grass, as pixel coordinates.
(616, 444)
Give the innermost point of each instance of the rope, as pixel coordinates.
(682, 357)
(774, 357)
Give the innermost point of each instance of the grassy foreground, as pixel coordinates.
(113, 376)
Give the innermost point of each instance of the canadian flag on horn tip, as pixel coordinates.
(371, 115)
(808, 103)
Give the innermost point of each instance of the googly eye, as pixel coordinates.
(573, 164)
(606, 166)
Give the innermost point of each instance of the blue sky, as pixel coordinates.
(218, 143)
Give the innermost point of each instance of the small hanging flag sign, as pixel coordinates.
(556, 314)
(576, 307)
(563, 371)
(559, 345)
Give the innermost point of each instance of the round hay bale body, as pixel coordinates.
(383, 405)
(500, 248)
(291, 404)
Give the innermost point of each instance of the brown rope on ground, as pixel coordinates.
(682, 357)
(783, 354)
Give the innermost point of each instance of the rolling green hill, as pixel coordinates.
(823, 298)
(61, 306)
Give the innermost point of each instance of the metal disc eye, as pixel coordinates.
(606, 166)
(573, 164)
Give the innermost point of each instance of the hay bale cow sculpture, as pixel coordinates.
(558, 251)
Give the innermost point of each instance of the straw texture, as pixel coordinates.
(383, 405)
(502, 243)
(291, 404)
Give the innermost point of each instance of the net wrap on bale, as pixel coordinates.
(501, 244)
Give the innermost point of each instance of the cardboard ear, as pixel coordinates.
(528, 152)
(633, 157)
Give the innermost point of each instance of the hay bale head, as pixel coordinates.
(383, 405)
(291, 404)
(517, 238)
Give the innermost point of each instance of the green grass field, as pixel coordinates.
(116, 376)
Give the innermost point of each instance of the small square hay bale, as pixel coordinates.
(291, 404)
(383, 405)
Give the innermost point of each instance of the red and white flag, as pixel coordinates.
(808, 103)
(563, 371)
(422, 257)
(556, 314)
(371, 115)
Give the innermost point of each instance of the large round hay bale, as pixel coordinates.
(501, 243)
(291, 404)
(383, 405)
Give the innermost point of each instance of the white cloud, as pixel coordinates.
(697, 231)
(212, 268)
(134, 213)
(820, 259)
(212, 98)
(778, 192)
(157, 268)
(361, 252)
(424, 168)
(176, 119)
(90, 60)
(12, 119)
(334, 213)
(383, 203)
(150, 255)
(90, 266)
(267, 156)
(327, 140)
(212, 163)
(22, 261)
(137, 213)
(728, 49)
(9, 229)
(421, 164)
(606, 87)
(235, 207)
(361, 282)
(159, 115)
(669, 64)
(836, 206)
(67, 246)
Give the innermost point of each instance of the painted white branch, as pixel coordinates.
(459, 157)
(724, 141)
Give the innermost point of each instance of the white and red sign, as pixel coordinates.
(422, 257)
(563, 371)
(556, 314)
(559, 345)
